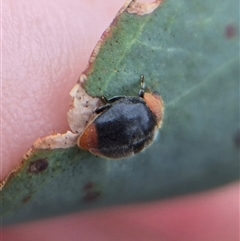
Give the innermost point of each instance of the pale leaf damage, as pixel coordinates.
(142, 8)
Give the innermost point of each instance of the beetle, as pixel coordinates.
(124, 126)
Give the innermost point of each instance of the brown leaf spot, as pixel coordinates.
(38, 166)
(230, 31)
(88, 186)
(91, 196)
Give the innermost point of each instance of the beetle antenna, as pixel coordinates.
(104, 99)
(142, 90)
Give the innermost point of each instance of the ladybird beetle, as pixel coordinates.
(124, 126)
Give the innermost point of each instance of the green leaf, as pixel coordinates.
(188, 51)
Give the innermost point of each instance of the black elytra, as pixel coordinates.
(124, 126)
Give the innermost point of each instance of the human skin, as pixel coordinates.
(45, 47)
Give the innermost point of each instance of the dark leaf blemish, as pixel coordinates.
(26, 199)
(236, 139)
(37, 166)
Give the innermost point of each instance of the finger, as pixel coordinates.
(46, 45)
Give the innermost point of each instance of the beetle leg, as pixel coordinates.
(142, 90)
(113, 99)
(102, 108)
